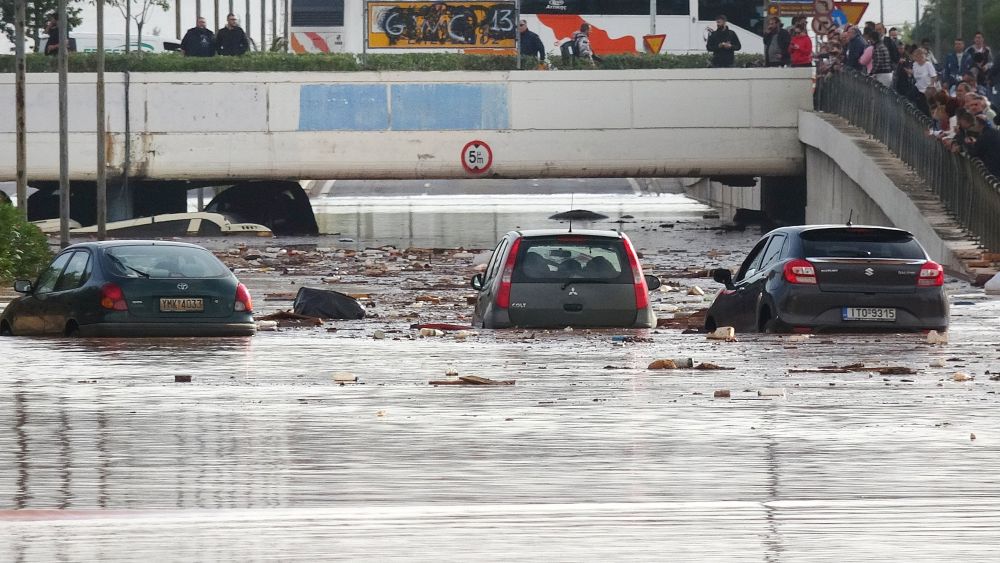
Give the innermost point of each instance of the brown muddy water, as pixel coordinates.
(589, 456)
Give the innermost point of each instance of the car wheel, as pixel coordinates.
(5, 329)
(769, 324)
(72, 329)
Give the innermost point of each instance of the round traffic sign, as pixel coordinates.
(477, 157)
(823, 25)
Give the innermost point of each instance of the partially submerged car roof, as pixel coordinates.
(805, 228)
(534, 233)
(125, 242)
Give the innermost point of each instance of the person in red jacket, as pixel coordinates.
(800, 48)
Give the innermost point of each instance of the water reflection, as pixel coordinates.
(442, 221)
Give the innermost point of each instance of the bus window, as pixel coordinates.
(740, 13)
(604, 7)
(317, 13)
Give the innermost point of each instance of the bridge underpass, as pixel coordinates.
(187, 130)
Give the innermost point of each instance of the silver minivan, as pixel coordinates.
(556, 278)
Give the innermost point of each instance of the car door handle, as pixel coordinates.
(573, 307)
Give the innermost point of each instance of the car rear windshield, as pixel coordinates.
(163, 262)
(571, 256)
(860, 243)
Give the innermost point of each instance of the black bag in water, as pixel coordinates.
(327, 304)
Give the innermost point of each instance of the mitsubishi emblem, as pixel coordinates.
(869, 272)
(182, 286)
(572, 291)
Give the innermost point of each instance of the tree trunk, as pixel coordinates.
(138, 44)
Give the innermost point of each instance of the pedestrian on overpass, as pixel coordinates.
(854, 49)
(723, 44)
(800, 49)
(776, 43)
(199, 41)
(231, 40)
(531, 44)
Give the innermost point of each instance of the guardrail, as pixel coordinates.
(967, 190)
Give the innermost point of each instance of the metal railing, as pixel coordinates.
(968, 191)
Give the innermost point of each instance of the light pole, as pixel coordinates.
(63, 130)
(102, 175)
(20, 70)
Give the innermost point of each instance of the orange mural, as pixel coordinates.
(563, 26)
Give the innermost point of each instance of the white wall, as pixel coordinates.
(843, 175)
(582, 123)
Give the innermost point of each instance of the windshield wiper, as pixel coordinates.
(118, 261)
(583, 280)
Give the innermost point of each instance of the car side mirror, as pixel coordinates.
(477, 282)
(652, 282)
(22, 286)
(723, 276)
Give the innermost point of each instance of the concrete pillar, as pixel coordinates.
(783, 198)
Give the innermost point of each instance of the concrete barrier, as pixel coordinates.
(219, 126)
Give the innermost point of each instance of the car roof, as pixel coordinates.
(531, 233)
(116, 243)
(798, 229)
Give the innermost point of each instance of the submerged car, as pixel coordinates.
(131, 288)
(799, 279)
(558, 278)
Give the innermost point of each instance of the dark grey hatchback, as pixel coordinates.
(131, 288)
(557, 278)
(832, 277)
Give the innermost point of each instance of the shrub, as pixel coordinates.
(343, 62)
(24, 250)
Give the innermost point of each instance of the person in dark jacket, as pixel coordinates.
(855, 48)
(723, 44)
(980, 141)
(231, 40)
(776, 41)
(199, 41)
(52, 43)
(531, 44)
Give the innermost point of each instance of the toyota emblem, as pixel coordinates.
(182, 286)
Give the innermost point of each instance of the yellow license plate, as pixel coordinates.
(185, 305)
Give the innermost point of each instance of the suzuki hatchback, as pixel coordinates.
(832, 277)
(131, 288)
(557, 278)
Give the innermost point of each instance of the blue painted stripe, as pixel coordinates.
(343, 107)
(443, 107)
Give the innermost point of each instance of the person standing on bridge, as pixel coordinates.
(531, 44)
(854, 49)
(800, 49)
(199, 41)
(723, 44)
(980, 141)
(231, 40)
(776, 42)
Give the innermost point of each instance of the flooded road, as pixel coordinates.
(264, 456)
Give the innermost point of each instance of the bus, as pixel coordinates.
(617, 26)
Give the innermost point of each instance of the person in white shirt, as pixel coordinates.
(924, 74)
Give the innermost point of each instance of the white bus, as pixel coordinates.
(618, 26)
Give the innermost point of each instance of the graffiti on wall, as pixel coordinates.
(441, 25)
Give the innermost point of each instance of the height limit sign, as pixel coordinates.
(477, 157)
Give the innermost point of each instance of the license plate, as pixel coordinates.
(185, 305)
(881, 314)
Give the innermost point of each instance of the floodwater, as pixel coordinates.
(589, 456)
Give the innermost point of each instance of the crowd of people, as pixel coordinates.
(957, 94)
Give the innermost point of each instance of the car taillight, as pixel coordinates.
(112, 297)
(800, 271)
(638, 280)
(931, 275)
(243, 302)
(503, 296)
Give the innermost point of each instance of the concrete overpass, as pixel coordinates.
(231, 126)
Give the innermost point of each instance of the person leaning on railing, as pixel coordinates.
(978, 141)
